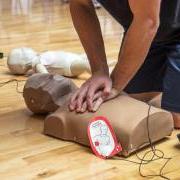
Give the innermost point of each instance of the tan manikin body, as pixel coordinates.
(127, 116)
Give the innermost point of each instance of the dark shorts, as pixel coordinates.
(160, 73)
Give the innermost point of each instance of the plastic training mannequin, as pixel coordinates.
(126, 115)
(23, 60)
(45, 93)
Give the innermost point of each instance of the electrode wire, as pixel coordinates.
(11, 81)
(155, 156)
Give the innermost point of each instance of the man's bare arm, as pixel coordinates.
(137, 41)
(88, 28)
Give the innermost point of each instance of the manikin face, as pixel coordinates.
(20, 60)
(45, 93)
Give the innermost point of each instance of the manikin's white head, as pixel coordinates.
(20, 60)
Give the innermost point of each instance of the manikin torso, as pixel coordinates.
(47, 93)
(64, 63)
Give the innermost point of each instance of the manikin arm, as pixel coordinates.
(37, 66)
(41, 68)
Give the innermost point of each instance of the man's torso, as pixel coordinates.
(169, 29)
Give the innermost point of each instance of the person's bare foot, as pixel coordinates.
(176, 118)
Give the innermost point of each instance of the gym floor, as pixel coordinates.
(25, 153)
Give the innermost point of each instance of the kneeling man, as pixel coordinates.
(149, 58)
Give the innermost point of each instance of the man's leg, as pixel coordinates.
(152, 98)
(155, 100)
(148, 83)
(171, 83)
(145, 97)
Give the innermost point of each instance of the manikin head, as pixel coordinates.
(20, 60)
(45, 93)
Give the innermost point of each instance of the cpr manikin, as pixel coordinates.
(46, 93)
(25, 60)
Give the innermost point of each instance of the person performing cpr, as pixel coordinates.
(149, 58)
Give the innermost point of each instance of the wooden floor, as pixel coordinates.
(25, 153)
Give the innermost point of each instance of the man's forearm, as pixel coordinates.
(133, 52)
(88, 28)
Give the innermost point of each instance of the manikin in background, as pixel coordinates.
(26, 61)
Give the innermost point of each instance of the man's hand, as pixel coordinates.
(99, 85)
(101, 99)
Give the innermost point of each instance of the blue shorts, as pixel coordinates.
(160, 73)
